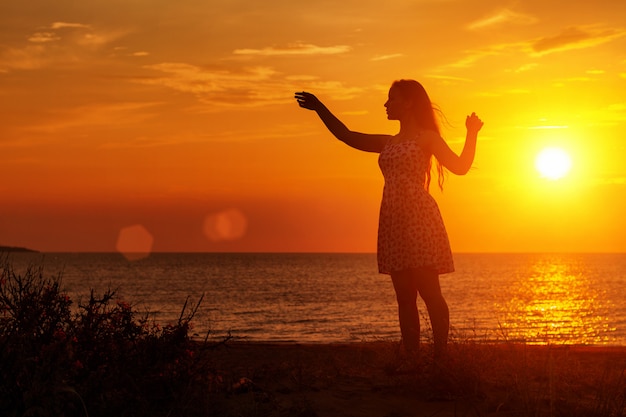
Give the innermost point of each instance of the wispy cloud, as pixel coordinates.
(606, 116)
(52, 33)
(77, 33)
(29, 57)
(297, 48)
(194, 79)
(575, 38)
(386, 57)
(502, 17)
(43, 37)
(246, 87)
(124, 51)
(96, 115)
(617, 111)
(526, 67)
(65, 25)
(449, 78)
(301, 78)
(59, 43)
(355, 113)
(568, 39)
(475, 55)
(504, 92)
(548, 127)
(252, 86)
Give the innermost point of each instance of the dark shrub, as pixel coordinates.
(98, 358)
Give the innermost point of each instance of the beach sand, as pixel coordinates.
(373, 379)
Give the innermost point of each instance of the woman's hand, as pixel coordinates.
(308, 101)
(473, 124)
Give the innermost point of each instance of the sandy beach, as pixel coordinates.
(373, 379)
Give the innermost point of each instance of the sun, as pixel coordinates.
(553, 163)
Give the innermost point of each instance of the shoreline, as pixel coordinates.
(16, 249)
(575, 348)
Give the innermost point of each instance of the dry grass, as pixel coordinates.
(363, 379)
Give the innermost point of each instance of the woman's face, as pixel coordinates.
(397, 106)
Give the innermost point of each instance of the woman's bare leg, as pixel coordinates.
(406, 294)
(430, 291)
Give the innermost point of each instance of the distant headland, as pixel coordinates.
(15, 249)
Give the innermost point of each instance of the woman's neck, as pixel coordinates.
(408, 128)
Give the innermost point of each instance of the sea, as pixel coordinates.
(534, 298)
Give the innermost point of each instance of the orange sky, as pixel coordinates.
(179, 117)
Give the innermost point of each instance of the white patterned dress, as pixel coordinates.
(411, 233)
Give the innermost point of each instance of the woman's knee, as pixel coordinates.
(406, 295)
(429, 287)
(405, 288)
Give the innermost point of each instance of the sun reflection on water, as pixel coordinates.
(553, 301)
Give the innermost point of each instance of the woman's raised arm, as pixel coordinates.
(457, 164)
(361, 141)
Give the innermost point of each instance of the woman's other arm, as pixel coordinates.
(361, 141)
(457, 164)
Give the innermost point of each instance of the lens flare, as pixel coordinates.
(225, 225)
(134, 242)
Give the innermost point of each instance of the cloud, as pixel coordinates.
(252, 86)
(548, 127)
(609, 115)
(297, 48)
(526, 67)
(356, 113)
(58, 44)
(29, 57)
(95, 115)
(43, 37)
(476, 55)
(448, 78)
(386, 57)
(51, 32)
(302, 78)
(575, 38)
(99, 39)
(617, 110)
(248, 86)
(501, 17)
(568, 39)
(336, 90)
(194, 79)
(72, 32)
(65, 25)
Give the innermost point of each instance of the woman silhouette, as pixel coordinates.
(413, 245)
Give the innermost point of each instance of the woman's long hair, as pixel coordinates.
(425, 115)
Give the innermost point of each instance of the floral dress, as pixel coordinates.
(411, 233)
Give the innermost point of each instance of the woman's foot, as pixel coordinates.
(404, 362)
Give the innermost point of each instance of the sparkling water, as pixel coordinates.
(321, 298)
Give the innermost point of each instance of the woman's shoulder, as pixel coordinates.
(428, 134)
(426, 138)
